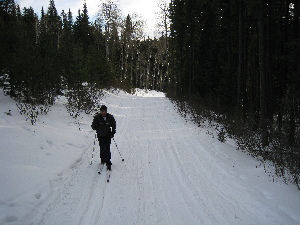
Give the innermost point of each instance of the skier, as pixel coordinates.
(105, 125)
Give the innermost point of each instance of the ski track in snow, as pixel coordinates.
(173, 173)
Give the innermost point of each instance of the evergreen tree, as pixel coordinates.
(50, 43)
(67, 49)
(8, 29)
(82, 29)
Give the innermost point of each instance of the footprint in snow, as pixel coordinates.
(8, 113)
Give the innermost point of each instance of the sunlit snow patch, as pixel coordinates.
(148, 93)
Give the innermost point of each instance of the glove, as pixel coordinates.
(112, 135)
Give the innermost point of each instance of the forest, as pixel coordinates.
(44, 55)
(235, 62)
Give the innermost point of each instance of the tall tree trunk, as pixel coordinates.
(245, 61)
(283, 71)
(293, 89)
(269, 68)
(296, 18)
(263, 80)
(241, 59)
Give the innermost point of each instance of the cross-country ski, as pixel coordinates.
(108, 175)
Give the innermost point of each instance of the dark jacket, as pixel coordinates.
(104, 128)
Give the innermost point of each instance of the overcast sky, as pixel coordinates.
(146, 8)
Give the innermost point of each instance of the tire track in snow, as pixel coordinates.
(157, 171)
(185, 180)
(197, 189)
(172, 164)
(134, 201)
(94, 204)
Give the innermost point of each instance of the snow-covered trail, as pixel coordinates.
(173, 173)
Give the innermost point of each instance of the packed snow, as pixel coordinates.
(174, 172)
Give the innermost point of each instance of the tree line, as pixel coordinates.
(56, 52)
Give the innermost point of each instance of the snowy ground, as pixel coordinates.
(173, 173)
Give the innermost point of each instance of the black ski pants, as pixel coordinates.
(105, 154)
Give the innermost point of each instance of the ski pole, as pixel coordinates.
(118, 149)
(94, 148)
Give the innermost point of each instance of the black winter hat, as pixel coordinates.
(103, 107)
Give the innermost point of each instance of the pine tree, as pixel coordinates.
(50, 44)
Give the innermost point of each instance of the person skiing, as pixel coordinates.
(105, 126)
